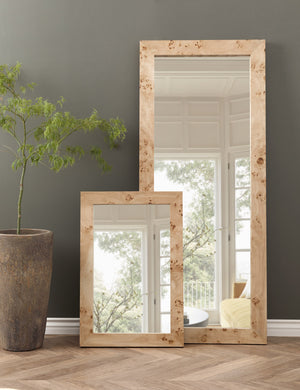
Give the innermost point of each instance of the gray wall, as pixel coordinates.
(87, 51)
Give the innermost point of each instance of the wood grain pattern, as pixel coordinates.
(87, 337)
(255, 50)
(60, 364)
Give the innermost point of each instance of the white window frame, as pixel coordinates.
(162, 224)
(233, 155)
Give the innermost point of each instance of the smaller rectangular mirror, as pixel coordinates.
(131, 269)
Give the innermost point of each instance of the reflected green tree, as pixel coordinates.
(119, 309)
(199, 229)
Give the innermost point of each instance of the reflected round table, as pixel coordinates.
(197, 318)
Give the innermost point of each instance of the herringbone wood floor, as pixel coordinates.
(61, 364)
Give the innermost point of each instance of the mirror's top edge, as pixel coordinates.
(259, 41)
(131, 197)
(133, 193)
(200, 47)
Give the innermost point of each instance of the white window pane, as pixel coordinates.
(242, 203)
(165, 242)
(242, 266)
(242, 172)
(165, 270)
(165, 298)
(165, 323)
(242, 234)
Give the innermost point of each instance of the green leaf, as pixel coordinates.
(17, 164)
(76, 151)
(31, 85)
(96, 154)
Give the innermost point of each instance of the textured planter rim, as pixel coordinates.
(24, 232)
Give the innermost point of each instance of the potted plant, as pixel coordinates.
(40, 131)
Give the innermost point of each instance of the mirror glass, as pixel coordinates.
(131, 269)
(202, 147)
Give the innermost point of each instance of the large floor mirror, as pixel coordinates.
(202, 131)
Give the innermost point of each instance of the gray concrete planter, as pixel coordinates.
(25, 276)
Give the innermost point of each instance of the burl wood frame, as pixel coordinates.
(87, 337)
(255, 50)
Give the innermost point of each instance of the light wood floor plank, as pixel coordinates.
(62, 365)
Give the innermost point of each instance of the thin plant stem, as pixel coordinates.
(24, 165)
(20, 198)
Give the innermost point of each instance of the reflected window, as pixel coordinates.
(132, 269)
